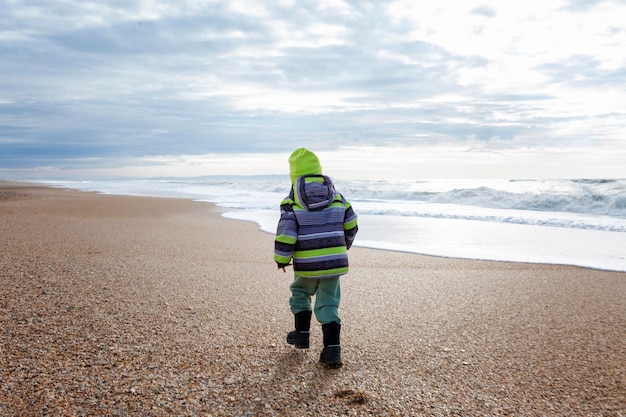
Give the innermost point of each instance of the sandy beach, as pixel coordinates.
(132, 306)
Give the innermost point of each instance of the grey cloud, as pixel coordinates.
(179, 35)
(584, 71)
(485, 11)
(582, 5)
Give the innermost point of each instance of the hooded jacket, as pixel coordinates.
(316, 228)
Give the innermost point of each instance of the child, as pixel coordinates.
(316, 228)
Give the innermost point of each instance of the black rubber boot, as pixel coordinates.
(300, 337)
(331, 355)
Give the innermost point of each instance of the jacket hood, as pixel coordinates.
(314, 192)
(303, 162)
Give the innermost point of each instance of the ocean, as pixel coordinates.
(578, 222)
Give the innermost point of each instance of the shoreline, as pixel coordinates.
(156, 306)
(383, 247)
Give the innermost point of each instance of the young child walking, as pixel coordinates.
(316, 228)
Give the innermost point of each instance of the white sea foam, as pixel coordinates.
(577, 222)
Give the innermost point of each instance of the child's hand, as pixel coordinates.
(283, 266)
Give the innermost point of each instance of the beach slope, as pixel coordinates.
(115, 305)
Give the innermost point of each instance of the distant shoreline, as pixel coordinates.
(591, 259)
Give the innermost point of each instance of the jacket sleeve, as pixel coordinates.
(286, 235)
(350, 225)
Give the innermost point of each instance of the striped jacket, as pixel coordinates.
(316, 228)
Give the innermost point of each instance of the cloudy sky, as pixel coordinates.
(446, 89)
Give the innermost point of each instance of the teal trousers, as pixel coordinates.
(327, 294)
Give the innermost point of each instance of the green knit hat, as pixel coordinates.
(303, 162)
